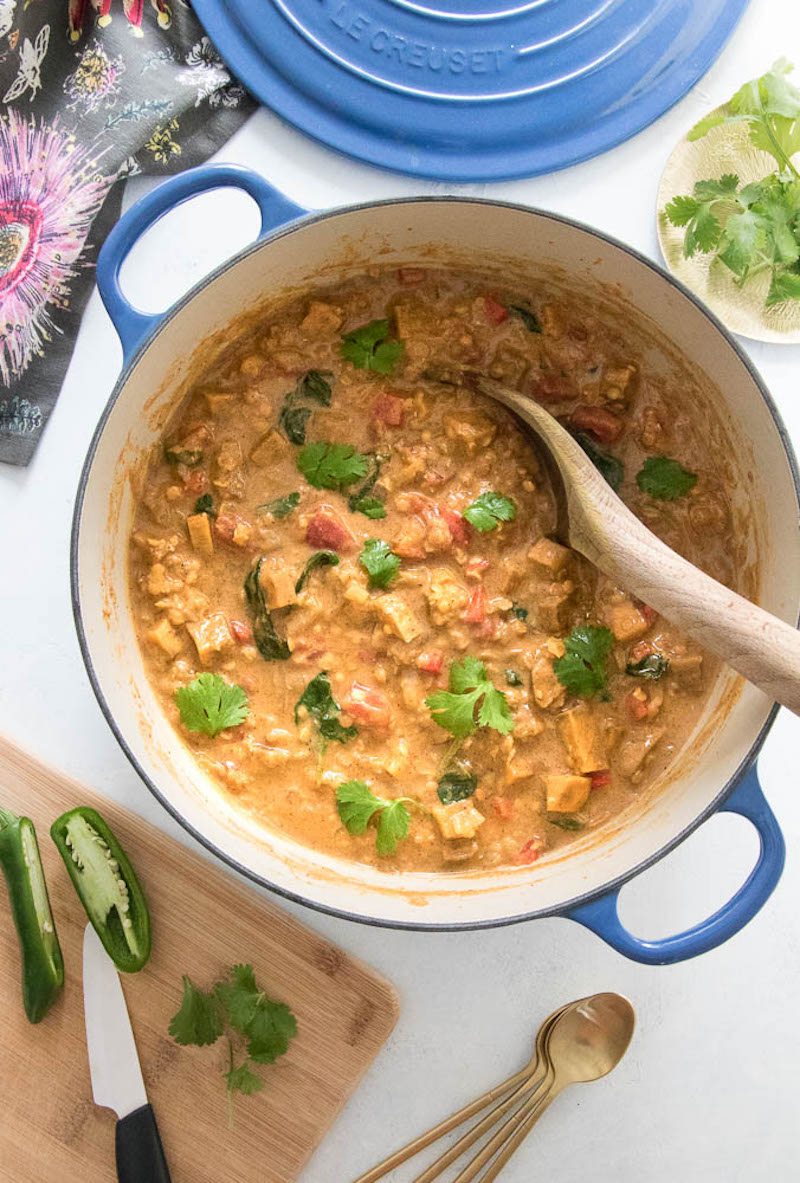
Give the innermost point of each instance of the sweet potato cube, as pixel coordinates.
(399, 616)
(266, 449)
(582, 739)
(626, 622)
(459, 820)
(211, 635)
(550, 555)
(278, 582)
(199, 528)
(566, 794)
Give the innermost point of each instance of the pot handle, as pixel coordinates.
(132, 325)
(602, 916)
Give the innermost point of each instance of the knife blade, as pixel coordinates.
(114, 1068)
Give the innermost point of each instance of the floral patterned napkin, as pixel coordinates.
(90, 93)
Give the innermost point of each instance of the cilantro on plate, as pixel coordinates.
(209, 704)
(582, 669)
(358, 805)
(370, 347)
(471, 701)
(489, 510)
(379, 561)
(665, 479)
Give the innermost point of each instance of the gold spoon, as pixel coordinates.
(595, 522)
(586, 1041)
(517, 1085)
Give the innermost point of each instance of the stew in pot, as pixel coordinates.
(348, 594)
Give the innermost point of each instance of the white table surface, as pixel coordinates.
(709, 1089)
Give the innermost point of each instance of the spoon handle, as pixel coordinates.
(760, 646)
(515, 1140)
(444, 1127)
(527, 1089)
(524, 1117)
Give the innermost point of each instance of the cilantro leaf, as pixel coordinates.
(489, 510)
(770, 107)
(320, 558)
(198, 1022)
(785, 286)
(357, 806)
(379, 561)
(470, 691)
(243, 1080)
(369, 347)
(281, 507)
(582, 669)
(239, 994)
(268, 1026)
(456, 785)
(209, 704)
(331, 466)
(665, 479)
(322, 707)
(371, 507)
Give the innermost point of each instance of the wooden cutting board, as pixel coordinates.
(203, 922)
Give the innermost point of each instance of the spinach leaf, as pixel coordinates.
(606, 464)
(321, 558)
(527, 316)
(361, 500)
(293, 420)
(518, 611)
(269, 644)
(565, 821)
(205, 504)
(654, 666)
(322, 707)
(316, 386)
(191, 457)
(665, 479)
(281, 507)
(513, 678)
(456, 785)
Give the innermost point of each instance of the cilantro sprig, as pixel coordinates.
(752, 228)
(357, 806)
(209, 704)
(489, 510)
(331, 466)
(665, 479)
(370, 347)
(257, 1028)
(471, 701)
(582, 669)
(379, 561)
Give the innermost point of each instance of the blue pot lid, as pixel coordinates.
(469, 90)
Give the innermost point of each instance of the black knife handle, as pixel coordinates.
(140, 1155)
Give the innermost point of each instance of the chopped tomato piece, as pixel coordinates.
(487, 628)
(600, 779)
(241, 631)
(636, 706)
(640, 650)
(431, 662)
(327, 531)
(389, 410)
(460, 529)
(367, 705)
(553, 388)
(647, 612)
(196, 481)
(530, 851)
(410, 275)
(494, 311)
(599, 422)
(476, 606)
(503, 807)
(229, 527)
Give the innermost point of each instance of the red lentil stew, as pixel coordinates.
(347, 590)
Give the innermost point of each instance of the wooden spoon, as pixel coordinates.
(594, 521)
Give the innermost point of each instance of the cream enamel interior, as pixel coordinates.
(385, 234)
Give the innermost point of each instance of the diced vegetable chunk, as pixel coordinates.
(599, 422)
(626, 621)
(327, 531)
(165, 637)
(211, 636)
(199, 527)
(278, 581)
(550, 555)
(566, 794)
(368, 706)
(459, 820)
(582, 739)
(399, 616)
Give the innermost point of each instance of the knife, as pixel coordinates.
(115, 1071)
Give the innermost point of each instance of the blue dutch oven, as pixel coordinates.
(296, 250)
